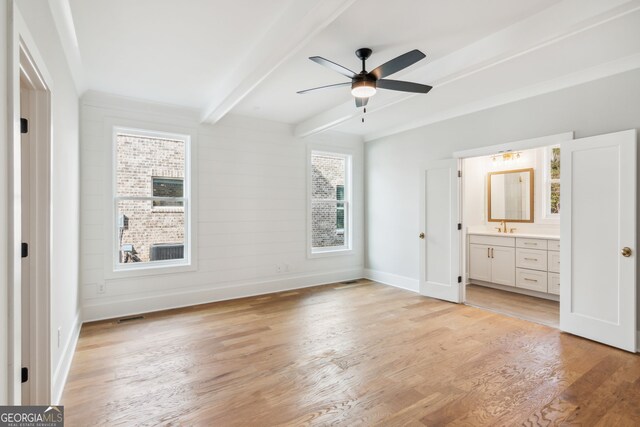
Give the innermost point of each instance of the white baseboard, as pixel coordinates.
(394, 280)
(64, 365)
(126, 305)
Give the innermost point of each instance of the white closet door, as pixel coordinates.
(598, 235)
(439, 216)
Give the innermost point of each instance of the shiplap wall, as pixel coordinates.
(249, 200)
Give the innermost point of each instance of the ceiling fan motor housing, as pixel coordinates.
(363, 84)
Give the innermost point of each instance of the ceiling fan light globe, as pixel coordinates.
(363, 89)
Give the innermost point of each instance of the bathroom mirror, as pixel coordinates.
(510, 195)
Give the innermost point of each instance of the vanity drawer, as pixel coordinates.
(531, 243)
(553, 245)
(492, 240)
(554, 262)
(531, 258)
(554, 283)
(532, 280)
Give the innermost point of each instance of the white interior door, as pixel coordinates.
(598, 221)
(440, 268)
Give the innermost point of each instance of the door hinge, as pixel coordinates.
(25, 250)
(25, 375)
(459, 279)
(24, 125)
(459, 226)
(459, 174)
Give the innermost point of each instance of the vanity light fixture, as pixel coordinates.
(506, 156)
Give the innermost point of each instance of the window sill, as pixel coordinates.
(150, 269)
(327, 252)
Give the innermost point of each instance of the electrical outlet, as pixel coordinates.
(278, 268)
(287, 268)
(102, 287)
(59, 335)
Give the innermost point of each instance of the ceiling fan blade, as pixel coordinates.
(325, 87)
(399, 63)
(403, 86)
(335, 67)
(361, 102)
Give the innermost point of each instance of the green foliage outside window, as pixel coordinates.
(555, 163)
(554, 172)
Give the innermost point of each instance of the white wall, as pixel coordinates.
(250, 206)
(64, 301)
(393, 163)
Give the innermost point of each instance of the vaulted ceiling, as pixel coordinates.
(249, 57)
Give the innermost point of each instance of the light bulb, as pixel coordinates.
(363, 89)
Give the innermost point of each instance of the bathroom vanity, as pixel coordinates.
(521, 261)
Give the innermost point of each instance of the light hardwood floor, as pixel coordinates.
(363, 354)
(525, 307)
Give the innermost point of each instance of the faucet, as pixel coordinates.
(503, 228)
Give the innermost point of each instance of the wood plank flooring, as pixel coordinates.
(525, 307)
(361, 354)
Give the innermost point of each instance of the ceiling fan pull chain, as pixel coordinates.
(365, 111)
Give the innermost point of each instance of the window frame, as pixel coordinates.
(547, 214)
(117, 269)
(347, 248)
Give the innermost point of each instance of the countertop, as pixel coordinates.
(524, 235)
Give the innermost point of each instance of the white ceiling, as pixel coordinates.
(249, 57)
(435, 27)
(170, 51)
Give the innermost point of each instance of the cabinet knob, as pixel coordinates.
(626, 252)
(421, 235)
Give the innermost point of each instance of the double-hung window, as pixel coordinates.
(330, 202)
(151, 199)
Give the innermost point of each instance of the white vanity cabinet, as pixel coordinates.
(522, 262)
(492, 259)
(480, 262)
(553, 276)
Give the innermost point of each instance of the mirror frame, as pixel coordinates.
(531, 195)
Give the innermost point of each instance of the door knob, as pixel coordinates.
(421, 235)
(626, 252)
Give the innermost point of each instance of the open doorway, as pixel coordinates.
(511, 215)
(593, 249)
(35, 219)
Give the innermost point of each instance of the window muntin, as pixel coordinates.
(151, 199)
(330, 202)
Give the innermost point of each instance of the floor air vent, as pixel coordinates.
(129, 319)
(349, 282)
